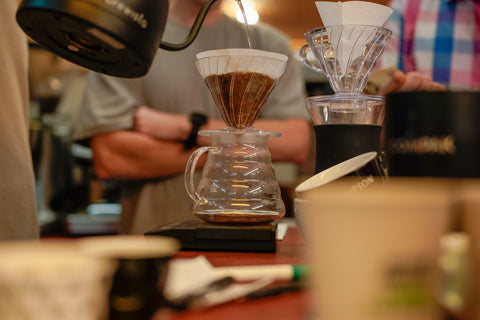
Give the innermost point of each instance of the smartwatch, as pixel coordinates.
(197, 120)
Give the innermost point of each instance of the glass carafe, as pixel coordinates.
(238, 183)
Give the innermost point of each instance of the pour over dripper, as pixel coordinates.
(346, 54)
(238, 183)
(240, 81)
(347, 123)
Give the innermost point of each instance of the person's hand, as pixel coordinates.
(411, 81)
(161, 125)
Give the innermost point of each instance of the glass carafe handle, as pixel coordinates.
(303, 57)
(190, 172)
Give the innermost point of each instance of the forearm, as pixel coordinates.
(132, 155)
(294, 143)
(292, 146)
(135, 155)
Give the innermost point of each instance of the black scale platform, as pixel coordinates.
(202, 236)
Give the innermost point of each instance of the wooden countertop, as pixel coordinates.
(289, 306)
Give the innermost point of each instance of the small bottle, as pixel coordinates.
(454, 265)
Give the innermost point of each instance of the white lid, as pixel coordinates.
(335, 172)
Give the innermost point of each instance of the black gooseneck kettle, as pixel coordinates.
(115, 37)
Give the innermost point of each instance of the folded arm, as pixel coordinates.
(132, 155)
(154, 147)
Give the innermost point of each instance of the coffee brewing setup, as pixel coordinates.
(237, 200)
(238, 184)
(347, 123)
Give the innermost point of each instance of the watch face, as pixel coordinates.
(197, 120)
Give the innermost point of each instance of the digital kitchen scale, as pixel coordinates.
(199, 235)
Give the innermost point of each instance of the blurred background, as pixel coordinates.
(291, 17)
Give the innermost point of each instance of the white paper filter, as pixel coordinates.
(360, 13)
(352, 12)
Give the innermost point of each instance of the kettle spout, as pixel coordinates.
(193, 31)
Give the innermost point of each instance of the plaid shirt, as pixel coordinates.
(440, 38)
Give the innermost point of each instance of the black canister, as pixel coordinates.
(433, 134)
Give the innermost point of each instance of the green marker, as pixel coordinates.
(286, 272)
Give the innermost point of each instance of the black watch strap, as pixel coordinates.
(197, 120)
